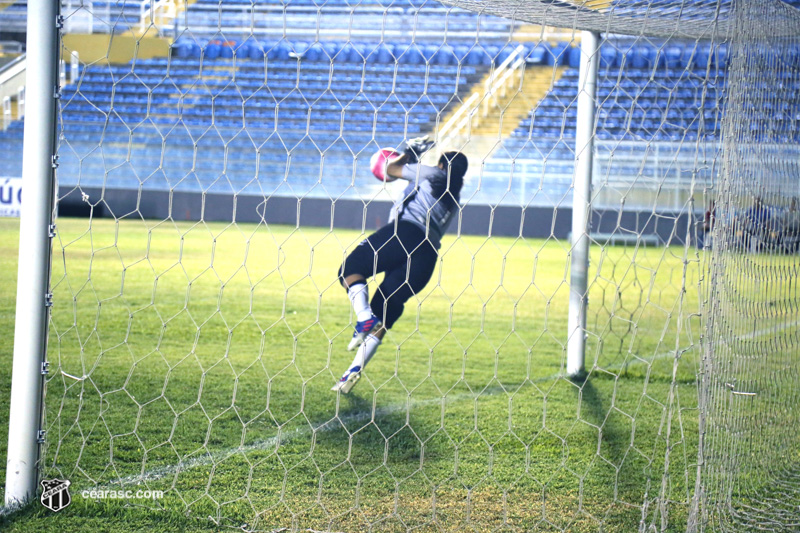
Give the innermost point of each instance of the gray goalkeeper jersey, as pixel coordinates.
(426, 202)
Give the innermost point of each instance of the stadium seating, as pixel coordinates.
(669, 95)
(663, 95)
(201, 121)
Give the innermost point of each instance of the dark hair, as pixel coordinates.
(456, 165)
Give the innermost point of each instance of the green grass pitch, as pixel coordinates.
(197, 359)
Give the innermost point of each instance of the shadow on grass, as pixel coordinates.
(614, 440)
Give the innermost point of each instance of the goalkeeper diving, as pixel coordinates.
(405, 249)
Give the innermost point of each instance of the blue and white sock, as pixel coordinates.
(359, 297)
(366, 351)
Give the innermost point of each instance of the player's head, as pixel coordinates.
(455, 164)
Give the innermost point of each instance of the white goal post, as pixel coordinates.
(582, 203)
(33, 278)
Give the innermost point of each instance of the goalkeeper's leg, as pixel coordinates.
(388, 303)
(382, 251)
(364, 353)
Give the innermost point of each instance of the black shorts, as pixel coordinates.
(408, 260)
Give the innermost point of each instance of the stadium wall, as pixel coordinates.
(503, 220)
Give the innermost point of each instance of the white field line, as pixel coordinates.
(777, 328)
(213, 458)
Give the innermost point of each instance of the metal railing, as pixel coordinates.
(101, 16)
(500, 80)
(13, 80)
(638, 174)
(334, 22)
(11, 47)
(10, 68)
(12, 86)
(157, 13)
(477, 106)
(463, 116)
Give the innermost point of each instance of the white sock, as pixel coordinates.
(366, 351)
(359, 297)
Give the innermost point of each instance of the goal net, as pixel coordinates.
(214, 172)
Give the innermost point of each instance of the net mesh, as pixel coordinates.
(749, 381)
(221, 152)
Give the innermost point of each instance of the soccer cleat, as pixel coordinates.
(348, 381)
(363, 328)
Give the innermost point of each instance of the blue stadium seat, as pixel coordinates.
(256, 50)
(226, 49)
(721, 55)
(364, 50)
(182, 49)
(301, 49)
(355, 52)
(559, 54)
(386, 53)
(316, 52)
(701, 57)
(277, 50)
(793, 56)
(412, 56)
(491, 54)
(504, 52)
(673, 57)
(429, 50)
(608, 57)
(461, 52)
(444, 56)
(195, 51)
(476, 56)
(642, 57)
(331, 48)
(574, 57)
(212, 50)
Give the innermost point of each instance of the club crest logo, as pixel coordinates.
(55, 494)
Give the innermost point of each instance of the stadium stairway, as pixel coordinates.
(497, 114)
(161, 20)
(507, 110)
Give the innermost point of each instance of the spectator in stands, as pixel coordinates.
(756, 225)
(708, 224)
(789, 227)
(406, 249)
